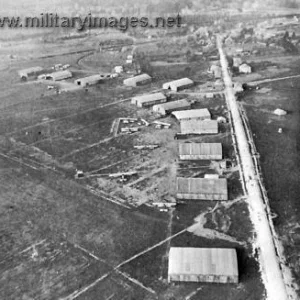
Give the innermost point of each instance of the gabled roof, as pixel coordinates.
(192, 114)
(149, 97)
(90, 78)
(200, 149)
(138, 78)
(202, 186)
(30, 70)
(179, 82)
(174, 104)
(198, 126)
(203, 261)
(60, 74)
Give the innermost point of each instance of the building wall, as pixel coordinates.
(150, 103)
(202, 196)
(142, 82)
(199, 131)
(200, 157)
(84, 83)
(135, 83)
(202, 278)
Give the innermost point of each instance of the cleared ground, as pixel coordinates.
(86, 228)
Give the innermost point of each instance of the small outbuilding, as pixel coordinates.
(244, 68)
(279, 112)
(192, 114)
(169, 107)
(137, 80)
(148, 99)
(178, 85)
(199, 127)
(237, 61)
(218, 265)
(118, 69)
(202, 189)
(200, 151)
(87, 81)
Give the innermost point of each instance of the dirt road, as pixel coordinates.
(276, 278)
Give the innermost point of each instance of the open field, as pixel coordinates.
(97, 237)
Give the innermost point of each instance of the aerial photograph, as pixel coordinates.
(150, 150)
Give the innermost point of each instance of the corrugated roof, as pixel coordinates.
(149, 98)
(200, 149)
(201, 186)
(198, 126)
(60, 74)
(203, 261)
(173, 105)
(30, 70)
(202, 113)
(90, 78)
(137, 78)
(178, 83)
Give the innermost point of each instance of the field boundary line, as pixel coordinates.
(69, 116)
(77, 293)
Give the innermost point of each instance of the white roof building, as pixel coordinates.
(192, 114)
(217, 265)
(199, 127)
(237, 61)
(244, 68)
(137, 80)
(118, 69)
(202, 189)
(179, 84)
(171, 106)
(59, 75)
(90, 80)
(148, 99)
(200, 151)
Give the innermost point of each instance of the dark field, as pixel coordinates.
(279, 156)
(63, 237)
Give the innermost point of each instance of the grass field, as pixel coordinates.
(63, 238)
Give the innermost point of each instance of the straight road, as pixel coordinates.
(276, 277)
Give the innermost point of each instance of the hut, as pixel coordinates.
(244, 68)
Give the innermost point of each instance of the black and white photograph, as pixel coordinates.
(150, 150)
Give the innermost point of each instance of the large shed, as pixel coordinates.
(199, 127)
(169, 107)
(148, 99)
(192, 114)
(90, 80)
(200, 151)
(202, 188)
(59, 75)
(178, 85)
(25, 73)
(218, 265)
(137, 80)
